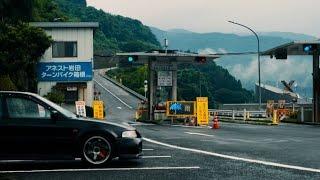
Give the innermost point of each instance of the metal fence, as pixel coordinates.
(240, 115)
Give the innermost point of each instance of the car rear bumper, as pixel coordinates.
(129, 148)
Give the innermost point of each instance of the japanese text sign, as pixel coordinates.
(98, 109)
(65, 71)
(202, 111)
(81, 108)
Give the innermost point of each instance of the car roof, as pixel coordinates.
(16, 92)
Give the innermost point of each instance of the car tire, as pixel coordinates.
(97, 150)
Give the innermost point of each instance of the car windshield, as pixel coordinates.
(57, 107)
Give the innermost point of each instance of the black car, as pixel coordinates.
(32, 127)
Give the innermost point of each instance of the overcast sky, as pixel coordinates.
(301, 16)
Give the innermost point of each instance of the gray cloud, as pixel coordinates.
(211, 15)
(298, 69)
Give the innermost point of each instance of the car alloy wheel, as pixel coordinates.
(97, 150)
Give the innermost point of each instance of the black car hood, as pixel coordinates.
(121, 125)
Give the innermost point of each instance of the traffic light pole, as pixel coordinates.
(151, 90)
(316, 86)
(174, 85)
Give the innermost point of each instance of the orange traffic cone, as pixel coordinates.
(215, 124)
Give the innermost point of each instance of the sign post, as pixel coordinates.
(81, 108)
(98, 110)
(202, 111)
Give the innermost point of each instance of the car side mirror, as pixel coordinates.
(55, 115)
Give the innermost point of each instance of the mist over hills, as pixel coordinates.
(245, 67)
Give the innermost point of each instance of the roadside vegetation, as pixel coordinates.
(214, 81)
(21, 46)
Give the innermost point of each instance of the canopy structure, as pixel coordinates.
(303, 48)
(162, 55)
(292, 48)
(163, 66)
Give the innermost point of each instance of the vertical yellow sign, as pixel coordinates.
(202, 111)
(98, 109)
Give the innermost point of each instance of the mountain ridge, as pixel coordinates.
(244, 67)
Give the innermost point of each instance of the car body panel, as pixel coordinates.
(62, 137)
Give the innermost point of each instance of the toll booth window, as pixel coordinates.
(25, 108)
(64, 49)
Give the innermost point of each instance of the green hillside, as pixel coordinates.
(116, 33)
(193, 80)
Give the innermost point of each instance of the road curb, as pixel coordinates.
(137, 95)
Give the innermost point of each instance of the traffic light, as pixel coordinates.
(132, 59)
(129, 61)
(200, 59)
(309, 48)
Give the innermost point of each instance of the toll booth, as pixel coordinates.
(162, 72)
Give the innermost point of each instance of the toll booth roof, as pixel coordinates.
(291, 48)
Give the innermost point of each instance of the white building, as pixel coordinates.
(67, 65)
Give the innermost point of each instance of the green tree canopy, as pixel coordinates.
(21, 46)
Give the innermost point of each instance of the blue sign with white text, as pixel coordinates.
(64, 71)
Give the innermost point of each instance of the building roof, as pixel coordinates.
(65, 24)
(277, 90)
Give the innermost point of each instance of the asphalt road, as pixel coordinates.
(235, 151)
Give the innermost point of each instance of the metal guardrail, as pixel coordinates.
(137, 95)
(240, 115)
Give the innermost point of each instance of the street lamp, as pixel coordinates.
(258, 56)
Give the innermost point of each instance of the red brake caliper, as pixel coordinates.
(103, 153)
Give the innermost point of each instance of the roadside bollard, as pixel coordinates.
(215, 124)
(275, 118)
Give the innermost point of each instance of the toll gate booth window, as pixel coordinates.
(64, 49)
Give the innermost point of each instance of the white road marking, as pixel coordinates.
(267, 163)
(113, 94)
(185, 126)
(147, 149)
(141, 124)
(199, 134)
(261, 141)
(119, 107)
(150, 157)
(102, 169)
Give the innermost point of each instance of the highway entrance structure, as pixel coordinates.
(162, 69)
(303, 48)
